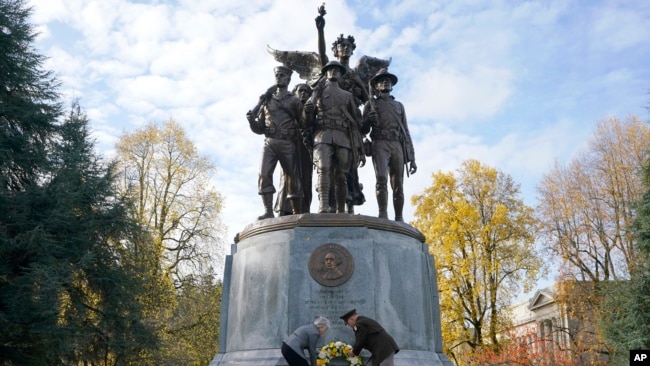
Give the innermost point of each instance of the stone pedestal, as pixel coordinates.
(276, 280)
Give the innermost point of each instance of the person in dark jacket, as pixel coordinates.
(370, 335)
(304, 338)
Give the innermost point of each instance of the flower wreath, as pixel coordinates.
(334, 350)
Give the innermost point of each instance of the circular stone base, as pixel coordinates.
(278, 278)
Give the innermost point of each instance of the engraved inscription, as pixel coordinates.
(332, 302)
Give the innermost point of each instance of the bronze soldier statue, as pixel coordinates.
(302, 91)
(343, 48)
(335, 118)
(392, 147)
(309, 66)
(278, 116)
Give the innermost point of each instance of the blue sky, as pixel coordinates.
(514, 84)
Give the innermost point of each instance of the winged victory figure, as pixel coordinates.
(308, 64)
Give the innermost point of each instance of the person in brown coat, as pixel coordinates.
(370, 335)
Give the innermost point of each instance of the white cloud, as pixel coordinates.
(448, 94)
(48, 10)
(615, 30)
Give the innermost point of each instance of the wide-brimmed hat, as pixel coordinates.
(347, 315)
(283, 68)
(331, 64)
(383, 73)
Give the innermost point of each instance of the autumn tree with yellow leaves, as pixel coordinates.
(168, 185)
(482, 237)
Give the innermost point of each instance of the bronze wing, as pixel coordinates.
(368, 66)
(306, 64)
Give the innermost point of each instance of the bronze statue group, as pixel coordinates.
(331, 122)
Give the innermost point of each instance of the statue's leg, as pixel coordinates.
(323, 162)
(382, 203)
(332, 197)
(343, 163)
(267, 200)
(289, 162)
(380, 163)
(341, 195)
(296, 205)
(398, 203)
(306, 172)
(265, 181)
(281, 202)
(323, 192)
(396, 172)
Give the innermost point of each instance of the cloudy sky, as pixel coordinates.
(514, 84)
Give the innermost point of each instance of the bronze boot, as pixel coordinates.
(399, 207)
(267, 199)
(341, 196)
(382, 203)
(323, 194)
(296, 205)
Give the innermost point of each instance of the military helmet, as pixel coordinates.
(383, 73)
(332, 64)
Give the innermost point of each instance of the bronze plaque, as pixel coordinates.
(331, 265)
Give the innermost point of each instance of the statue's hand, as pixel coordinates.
(320, 22)
(309, 107)
(362, 159)
(413, 167)
(250, 117)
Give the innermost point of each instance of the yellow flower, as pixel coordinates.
(334, 350)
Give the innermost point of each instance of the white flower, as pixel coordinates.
(338, 349)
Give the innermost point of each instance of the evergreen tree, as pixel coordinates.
(67, 293)
(626, 323)
(67, 296)
(29, 104)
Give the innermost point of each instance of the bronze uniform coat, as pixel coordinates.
(330, 108)
(370, 335)
(390, 125)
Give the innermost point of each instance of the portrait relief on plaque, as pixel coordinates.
(331, 265)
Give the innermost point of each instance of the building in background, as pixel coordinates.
(564, 325)
(541, 323)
